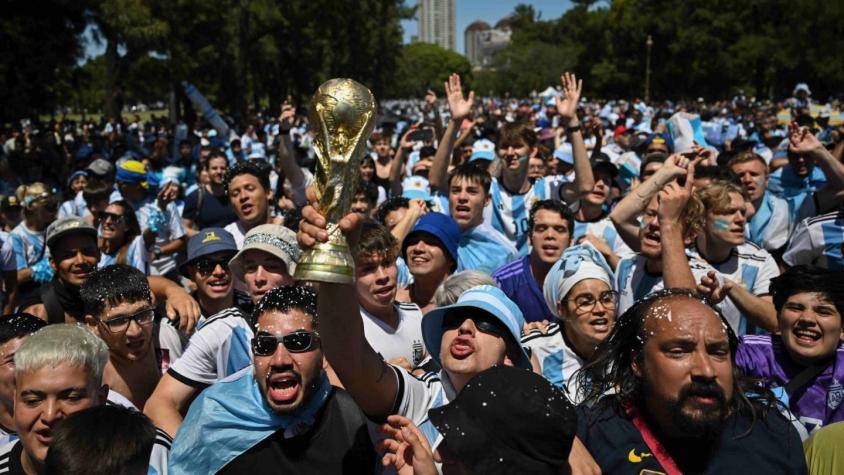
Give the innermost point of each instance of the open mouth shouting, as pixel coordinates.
(283, 388)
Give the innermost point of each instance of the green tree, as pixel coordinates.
(424, 66)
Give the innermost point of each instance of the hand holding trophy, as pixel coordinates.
(342, 115)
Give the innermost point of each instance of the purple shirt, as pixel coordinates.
(816, 404)
(517, 282)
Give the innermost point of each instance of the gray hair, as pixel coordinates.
(63, 344)
(453, 287)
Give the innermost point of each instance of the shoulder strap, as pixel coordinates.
(657, 449)
(809, 373)
(55, 311)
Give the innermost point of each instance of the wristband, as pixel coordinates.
(571, 130)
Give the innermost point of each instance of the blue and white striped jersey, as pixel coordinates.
(509, 211)
(770, 226)
(818, 241)
(417, 395)
(557, 361)
(634, 282)
(136, 256)
(604, 229)
(485, 249)
(29, 246)
(219, 348)
(751, 267)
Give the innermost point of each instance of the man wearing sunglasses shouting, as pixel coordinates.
(220, 346)
(279, 415)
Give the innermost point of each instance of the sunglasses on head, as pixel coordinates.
(115, 218)
(483, 322)
(300, 341)
(206, 266)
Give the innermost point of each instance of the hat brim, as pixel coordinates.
(236, 263)
(482, 156)
(210, 249)
(77, 230)
(432, 330)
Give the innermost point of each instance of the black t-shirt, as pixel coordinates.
(338, 443)
(214, 212)
(771, 447)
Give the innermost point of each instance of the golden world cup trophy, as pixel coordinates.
(342, 116)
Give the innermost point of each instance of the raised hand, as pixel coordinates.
(711, 287)
(460, 108)
(567, 107)
(288, 114)
(406, 448)
(801, 139)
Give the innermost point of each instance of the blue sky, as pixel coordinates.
(490, 11)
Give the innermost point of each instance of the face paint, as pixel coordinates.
(721, 224)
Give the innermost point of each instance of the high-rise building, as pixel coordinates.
(437, 23)
(482, 41)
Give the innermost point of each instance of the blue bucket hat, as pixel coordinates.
(208, 241)
(491, 300)
(441, 226)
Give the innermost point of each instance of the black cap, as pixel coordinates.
(508, 420)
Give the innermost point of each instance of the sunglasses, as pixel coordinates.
(115, 218)
(485, 323)
(206, 266)
(299, 341)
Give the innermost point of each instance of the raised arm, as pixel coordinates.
(584, 181)
(286, 157)
(802, 141)
(365, 375)
(626, 213)
(675, 265)
(460, 108)
(398, 163)
(431, 101)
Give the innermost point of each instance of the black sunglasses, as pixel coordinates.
(206, 266)
(483, 322)
(115, 218)
(299, 341)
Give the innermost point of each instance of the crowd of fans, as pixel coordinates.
(544, 285)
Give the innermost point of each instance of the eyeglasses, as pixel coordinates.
(121, 323)
(206, 266)
(115, 218)
(484, 323)
(299, 341)
(586, 303)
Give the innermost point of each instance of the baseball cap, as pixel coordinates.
(660, 138)
(274, 239)
(69, 225)
(29, 194)
(415, 186)
(487, 298)
(564, 153)
(601, 163)
(101, 167)
(208, 241)
(441, 226)
(76, 175)
(540, 423)
(482, 149)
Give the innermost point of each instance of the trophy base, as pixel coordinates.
(330, 262)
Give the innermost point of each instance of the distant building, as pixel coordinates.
(437, 23)
(482, 42)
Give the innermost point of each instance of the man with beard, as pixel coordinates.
(247, 185)
(678, 403)
(549, 234)
(220, 347)
(74, 255)
(280, 414)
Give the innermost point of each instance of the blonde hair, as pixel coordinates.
(716, 195)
